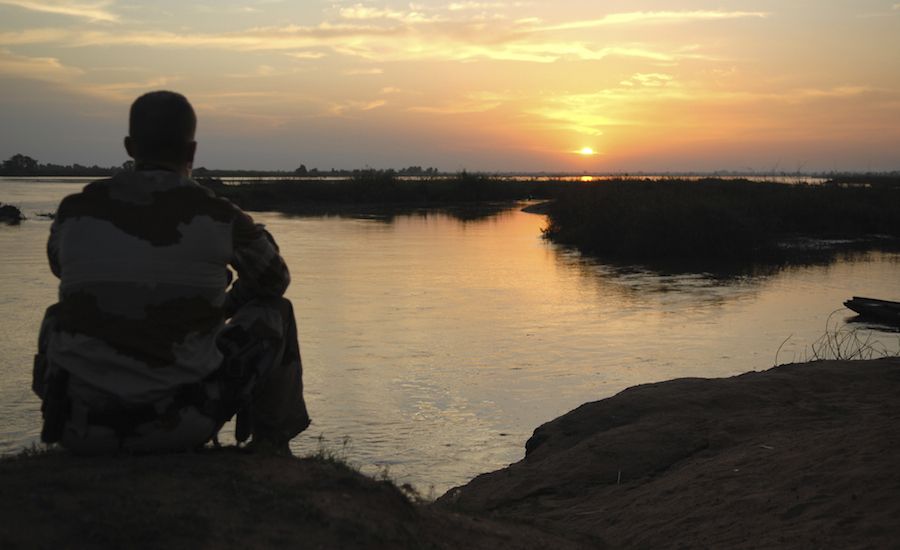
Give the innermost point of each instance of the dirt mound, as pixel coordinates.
(801, 455)
(226, 499)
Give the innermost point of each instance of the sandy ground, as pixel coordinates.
(800, 456)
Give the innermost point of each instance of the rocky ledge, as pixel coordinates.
(10, 215)
(799, 456)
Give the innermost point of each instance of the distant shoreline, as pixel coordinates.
(101, 172)
(707, 222)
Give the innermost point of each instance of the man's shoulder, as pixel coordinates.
(92, 188)
(71, 204)
(135, 195)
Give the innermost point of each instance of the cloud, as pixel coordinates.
(363, 72)
(653, 80)
(92, 11)
(343, 108)
(472, 102)
(261, 71)
(35, 36)
(126, 91)
(452, 42)
(595, 113)
(653, 17)
(39, 68)
(463, 6)
(361, 12)
(383, 35)
(587, 114)
(218, 9)
(72, 79)
(837, 92)
(306, 55)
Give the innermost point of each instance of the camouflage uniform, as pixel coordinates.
(140, 328)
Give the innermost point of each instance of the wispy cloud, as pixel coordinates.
(463, 6)
(35, 36)
(892, 12)
(215, 9)
(364, 72)
(306, 55)
(380, 35)
(372, 43)
(474, 102)
(653, 17)
(92, 11)
(653, 80)
(50, 69)
(346, 107)
(595, 113)
(361, 12)
(39, 68)
(126, 91)
(261, 71)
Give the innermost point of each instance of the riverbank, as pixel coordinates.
(799, 456)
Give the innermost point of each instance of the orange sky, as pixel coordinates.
(504, 85)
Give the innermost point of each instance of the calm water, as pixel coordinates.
(435, 346)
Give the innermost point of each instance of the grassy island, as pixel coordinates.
(464, 194)
(712, 219)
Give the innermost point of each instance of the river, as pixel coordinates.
(433, 347)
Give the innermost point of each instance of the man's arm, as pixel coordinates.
(53, 242)
(260, 268)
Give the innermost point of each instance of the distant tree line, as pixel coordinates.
(23, 165)
(408, 171)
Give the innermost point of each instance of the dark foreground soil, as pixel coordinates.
(800, 456)
(227, 500)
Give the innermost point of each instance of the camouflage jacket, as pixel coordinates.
(143, 263)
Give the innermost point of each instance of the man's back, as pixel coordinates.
(142, 260)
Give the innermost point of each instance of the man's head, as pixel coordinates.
(161, 129)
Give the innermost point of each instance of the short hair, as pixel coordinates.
(160, 124)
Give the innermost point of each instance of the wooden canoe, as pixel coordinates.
(884, 311)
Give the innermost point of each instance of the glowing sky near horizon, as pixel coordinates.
(651, 85)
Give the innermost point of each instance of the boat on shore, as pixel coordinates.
(883, 311)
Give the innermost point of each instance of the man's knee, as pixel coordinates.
(273, 303)
(280, 304)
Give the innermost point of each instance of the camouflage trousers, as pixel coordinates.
(260, 380)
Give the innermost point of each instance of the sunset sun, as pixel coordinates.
(586, 151)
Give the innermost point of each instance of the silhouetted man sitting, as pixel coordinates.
(137, 354)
